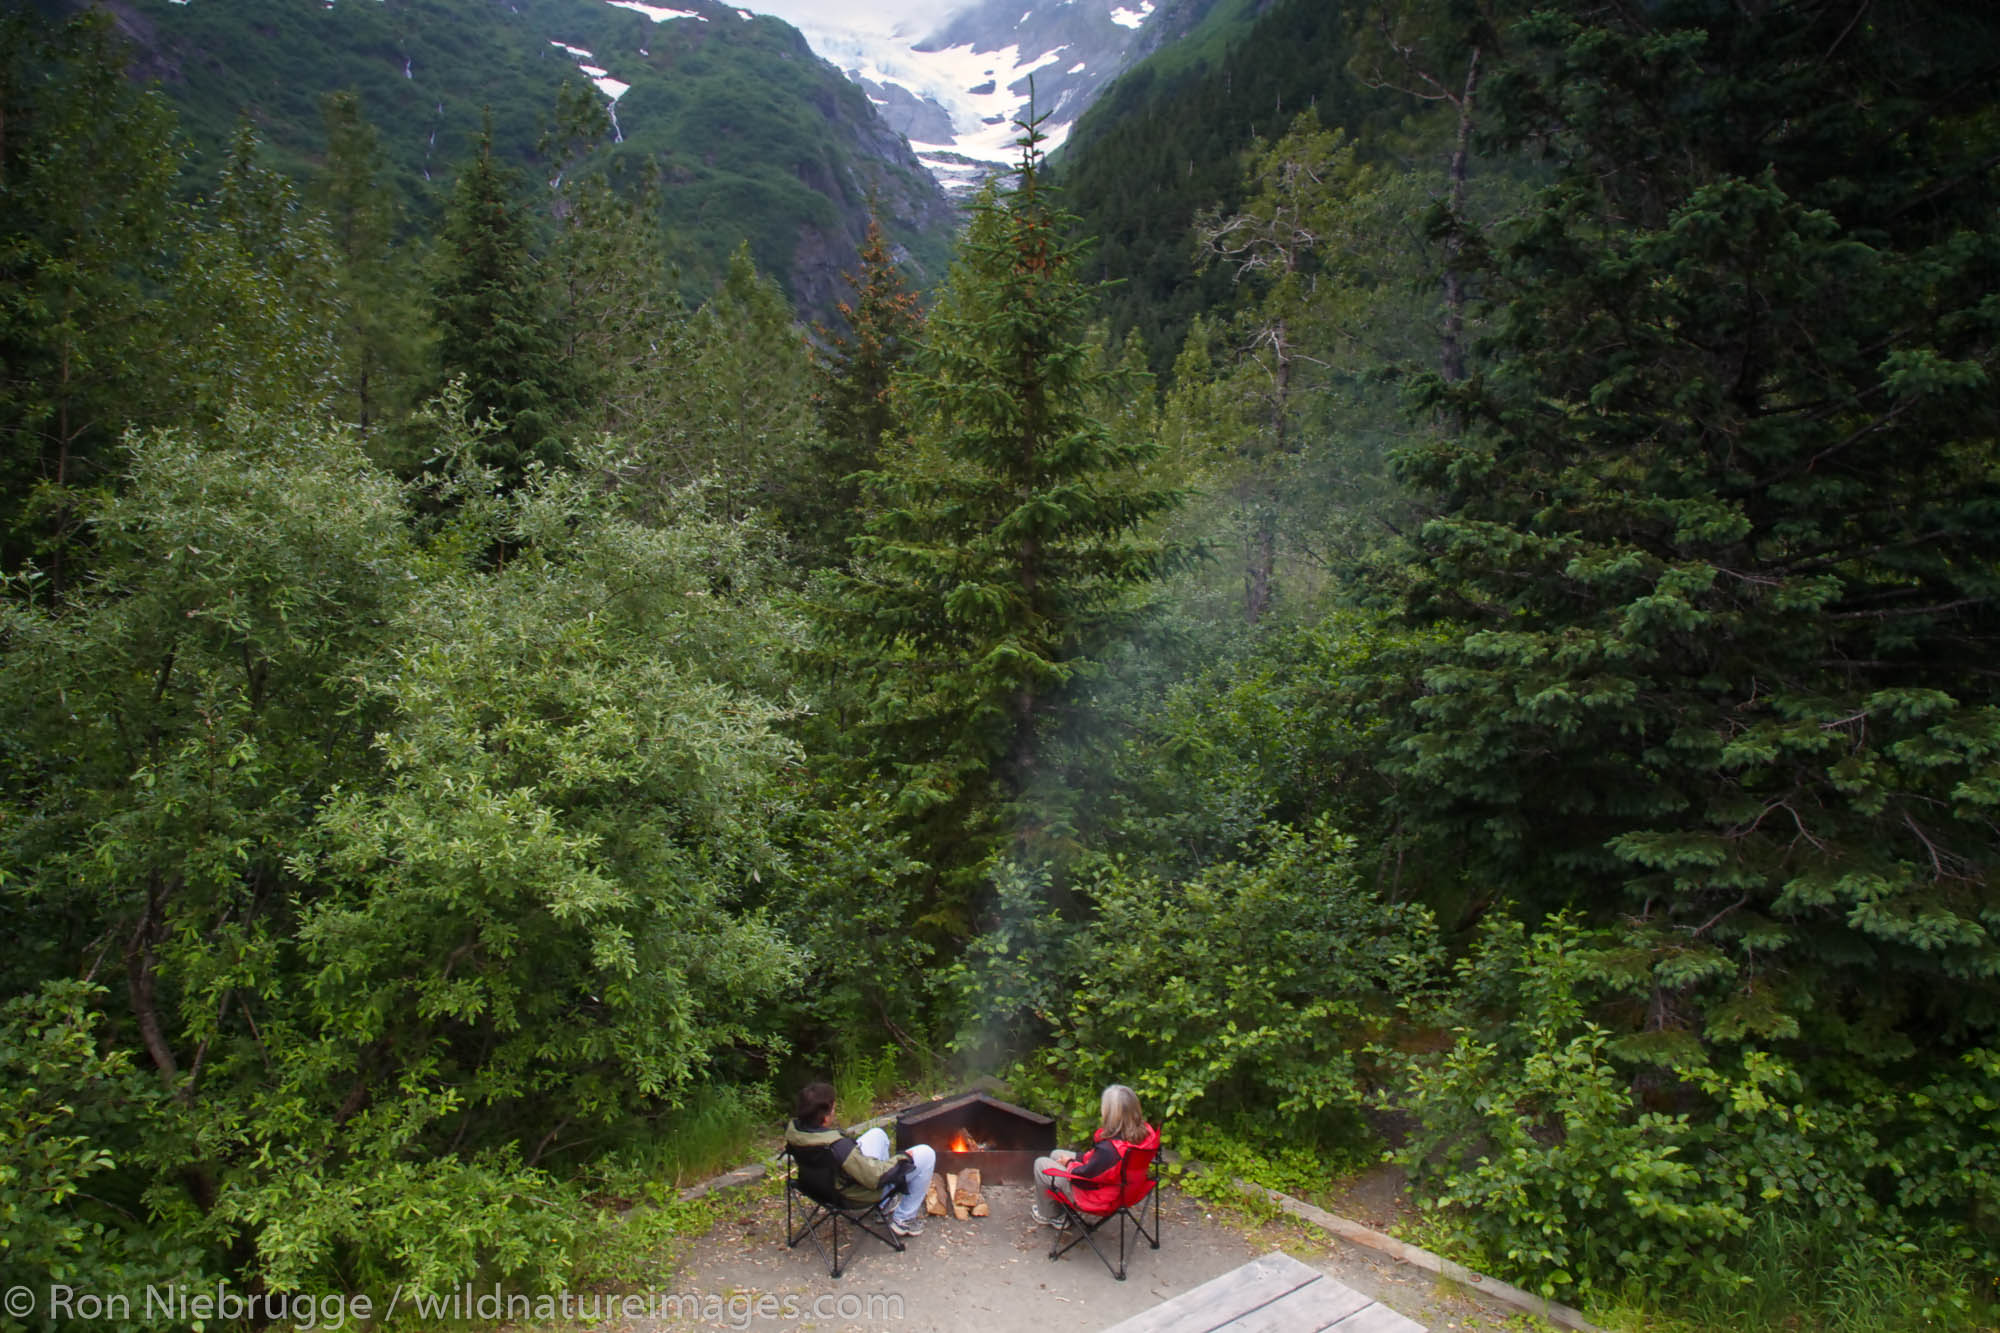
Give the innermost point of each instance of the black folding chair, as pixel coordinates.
(1137, 1185)
(813, 1183)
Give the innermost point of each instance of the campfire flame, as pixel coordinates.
(964, 1142)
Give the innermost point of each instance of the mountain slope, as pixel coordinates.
(1167, 139)
(756, 138)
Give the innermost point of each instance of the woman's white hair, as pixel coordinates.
(1118, 1112)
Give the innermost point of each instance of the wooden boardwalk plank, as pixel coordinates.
(1377, 1318)
(1273, 1293)
(1313, 1308)
(1217, 1301)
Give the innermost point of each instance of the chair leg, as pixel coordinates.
(823, 1219)
(808, 1229)
(1085, 1232)
(860, 1222)
(796, 1231)
(1139, 1218)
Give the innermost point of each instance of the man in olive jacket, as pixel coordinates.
(858, 1170)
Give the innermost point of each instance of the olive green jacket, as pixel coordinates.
(829, 1160)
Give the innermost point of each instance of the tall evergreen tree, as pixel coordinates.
(1006, 542)
(494, 327)
(611, 289)
(752, 386)
(1439, 51)
(88, 165)
(852, 371)
(1288, 236)
(1717, 552)
(378, 335)
(256, 314)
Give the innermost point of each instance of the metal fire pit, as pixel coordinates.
(980, 1132)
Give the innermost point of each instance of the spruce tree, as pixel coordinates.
(852, 371)
(255, 320)
(751, 387)
(1288, 246)
(1007, 539)
(88, 165)
(494, 328)
(1715, 559)
(612, 290)
(379, 341)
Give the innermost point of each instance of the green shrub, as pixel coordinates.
(1574, 1159)
(377, 1223)
(74, 1123)
(1247, 986)
(1245, 1148)
(716, 1127)
(861, 1079)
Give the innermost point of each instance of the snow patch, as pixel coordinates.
(1132, 18)
(657, 13)
(613, 89)
(1078, 68)
(610, 87)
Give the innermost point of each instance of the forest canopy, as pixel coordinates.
(1481, 652)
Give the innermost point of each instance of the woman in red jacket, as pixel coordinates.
(1091, 1182)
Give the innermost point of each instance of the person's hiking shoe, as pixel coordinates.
(1059, 1222)
(913, 1227)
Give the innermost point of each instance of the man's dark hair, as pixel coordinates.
(815, 1100)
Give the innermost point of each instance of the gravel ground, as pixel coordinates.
(993, 1274)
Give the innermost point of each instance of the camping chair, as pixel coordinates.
(1137, 1185)
(812, 1176)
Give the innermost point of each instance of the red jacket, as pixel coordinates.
(1098, 1192)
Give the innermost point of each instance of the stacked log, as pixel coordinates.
(961, 1194)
